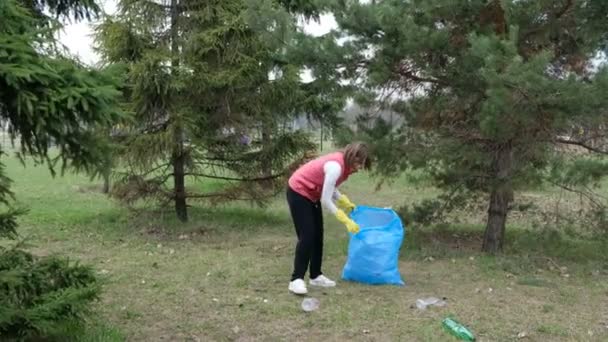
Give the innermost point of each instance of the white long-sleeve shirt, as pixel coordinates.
(329, 194)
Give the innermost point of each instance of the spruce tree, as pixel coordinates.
(46, 100)
(212, 84)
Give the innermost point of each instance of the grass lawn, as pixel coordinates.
(224, 275)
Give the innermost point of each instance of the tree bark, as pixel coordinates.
(500, 198)
(177, 157)
(181, 209)
(321, 143)
(266, 143)
(106, 182)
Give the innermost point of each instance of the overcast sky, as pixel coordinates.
(77, 37)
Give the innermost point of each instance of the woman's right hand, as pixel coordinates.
(351, 226)
(345, 203)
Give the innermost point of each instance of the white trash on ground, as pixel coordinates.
(310, 304)
(430, 301)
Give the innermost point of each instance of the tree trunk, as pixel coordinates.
(267, 129)
(500, 198)
(106, 182)
(181, 210)
(321, 142)
(178, 158)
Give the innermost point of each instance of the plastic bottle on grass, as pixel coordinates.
(458, 330)
(310, 304)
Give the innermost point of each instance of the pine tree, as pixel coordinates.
(487, 90)
(211, 84)
(46, 100)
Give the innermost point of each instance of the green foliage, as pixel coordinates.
(42, 297)
(491, 87)
(581, 171)
(38, 93)
(76, 9)
(8, 223)
(308, 8)
(212, 93)
(47, 101)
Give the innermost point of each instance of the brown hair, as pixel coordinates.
(357, 152)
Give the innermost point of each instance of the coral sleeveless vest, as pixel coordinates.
(308, 179)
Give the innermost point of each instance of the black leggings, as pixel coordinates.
(308, 221)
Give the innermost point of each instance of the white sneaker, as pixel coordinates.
(322, 281)
(298, 286)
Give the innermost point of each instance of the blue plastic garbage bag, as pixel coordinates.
(373, 253)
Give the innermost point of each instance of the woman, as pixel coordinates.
(312, 185)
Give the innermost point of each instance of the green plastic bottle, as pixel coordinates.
(458, 330)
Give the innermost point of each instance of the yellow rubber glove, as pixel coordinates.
(351, 226)
(345, 204)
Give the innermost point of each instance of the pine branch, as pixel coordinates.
(466, 134)
(165, 165)
(245, 158)
(179, 7)
(563, 10)
(556, 16)
(255, 179)
(448, 201)
(218, 195)
(230, 196)
(209, 164)
(595, 193)
(581, 144)
(407, 72)
(155, 127)
(588, 195)
(163, 179)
